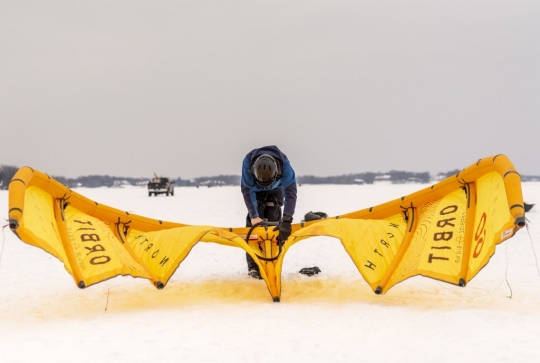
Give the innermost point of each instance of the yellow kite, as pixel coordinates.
(447, 231)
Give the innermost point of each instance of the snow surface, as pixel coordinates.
(210, 311)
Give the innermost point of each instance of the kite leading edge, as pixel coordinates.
(447, 231)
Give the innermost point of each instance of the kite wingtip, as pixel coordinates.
(378, 290)
(276, 299)
(81, 285)
(462, 282)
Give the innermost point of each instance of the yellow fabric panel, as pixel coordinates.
(162, 251)
(442, 254)
(223, 237)
(40, 225)
(98, 252)
(372, 244)
(493, 221)
(437, 244)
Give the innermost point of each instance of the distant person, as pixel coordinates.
(268, 183)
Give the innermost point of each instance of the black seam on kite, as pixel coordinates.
(30, 169)
(62, 209)
(404, 211)
(412, 218)
(517, 206)
(496, 156)
(478, 162)
(370, 209)
(22, 181)
(468, 191)
(118, 231)
(160, 222)
(511, 172)
(230, 229)
(127, 213)
(12, 209)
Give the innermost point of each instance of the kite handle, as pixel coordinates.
(265, 223)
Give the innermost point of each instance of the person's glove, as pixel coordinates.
(285, 228)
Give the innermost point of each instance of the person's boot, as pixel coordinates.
(255, 273)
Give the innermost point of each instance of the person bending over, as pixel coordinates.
(268, 184)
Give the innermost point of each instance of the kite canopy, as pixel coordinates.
(447, 231)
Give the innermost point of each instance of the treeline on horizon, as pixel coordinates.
(95, 181)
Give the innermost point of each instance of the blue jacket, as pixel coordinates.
(287, 181)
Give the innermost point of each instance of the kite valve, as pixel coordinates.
(13, 224)
(265, 224)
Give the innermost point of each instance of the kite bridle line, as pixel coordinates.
(265, 223)
(107, 302)
(3, 240)
(506, 274)
(532, 245)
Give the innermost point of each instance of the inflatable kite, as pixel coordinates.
(447, 231)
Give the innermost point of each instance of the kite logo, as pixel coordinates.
(506, 233)
(93, 238)
(445, 236)
(149, 247)
(480, 235)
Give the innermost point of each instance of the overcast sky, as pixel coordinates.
(187, 88)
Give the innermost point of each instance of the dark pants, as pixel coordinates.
(269, 206)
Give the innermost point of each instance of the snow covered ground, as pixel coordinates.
(212, 312)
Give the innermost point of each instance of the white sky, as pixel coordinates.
(187, 88)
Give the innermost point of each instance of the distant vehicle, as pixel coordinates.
(160, 186)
